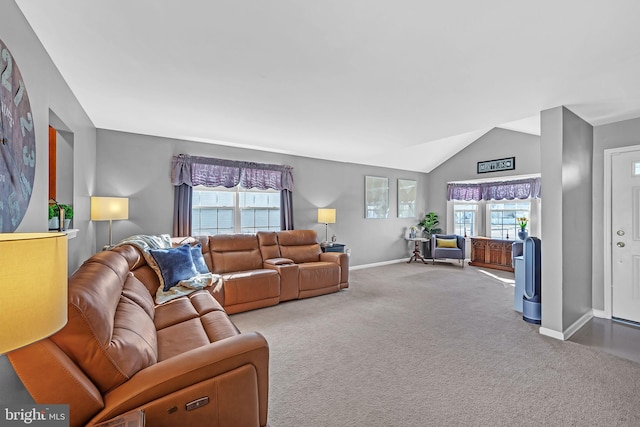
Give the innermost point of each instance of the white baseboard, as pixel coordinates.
(578, 324)
(551, 333)
(567, 333)
(377, 264)
(600, 314)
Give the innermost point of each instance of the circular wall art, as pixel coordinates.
(18, 144)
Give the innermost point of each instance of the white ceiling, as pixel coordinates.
(401, 84)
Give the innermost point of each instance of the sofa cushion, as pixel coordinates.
(234, 252)
(135, 290)
(110, 335)
(246, 286)
(446, 243)
(142, 244)
(299, 245)
(318, 275)
(190, 322)
(268, 241)
(175, 264)
(198, 259)
(182, 309)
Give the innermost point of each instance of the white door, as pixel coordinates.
(625, 235)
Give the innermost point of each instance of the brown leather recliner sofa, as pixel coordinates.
(318, 273)
(270, 267)
(120, 352)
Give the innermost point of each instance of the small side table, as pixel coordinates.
(334, 247)
(416, 250)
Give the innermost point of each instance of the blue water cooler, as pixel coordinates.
(532, 295)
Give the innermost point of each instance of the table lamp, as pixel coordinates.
(109, 209)
(326, 217)
(33, 278)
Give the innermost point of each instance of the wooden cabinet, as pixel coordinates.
(491, 253)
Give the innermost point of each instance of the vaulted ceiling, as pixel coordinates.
(402, 84)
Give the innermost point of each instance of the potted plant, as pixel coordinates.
(522, 223)
(68, 215)
(53, 217)
(429, 224)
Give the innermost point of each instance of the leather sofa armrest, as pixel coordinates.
(332, 256)
(192, 367)
(288, 273)
(343, 260)
(51, 377)
(278, 261)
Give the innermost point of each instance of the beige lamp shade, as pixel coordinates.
(33, 282)
(326, 216)
(109, 208)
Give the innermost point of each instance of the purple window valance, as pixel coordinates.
(192, 170)
(509, 190)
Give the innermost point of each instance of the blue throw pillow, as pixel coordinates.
(175, 264)
(198, 259)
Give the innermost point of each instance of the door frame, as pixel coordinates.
(608, 253)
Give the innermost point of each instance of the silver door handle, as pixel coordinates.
(620, 244)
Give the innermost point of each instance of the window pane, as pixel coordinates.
(274, 219)
(504, 216)
(496, 218)
(209, 218)
(259, 199)
(225, 219)
(464, 218)
(215, 210)
(261, 218)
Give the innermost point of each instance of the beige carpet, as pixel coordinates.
(424, 345)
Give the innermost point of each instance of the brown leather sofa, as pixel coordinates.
(246, 284)
(119, 352)
(319, 273)
(264, 269)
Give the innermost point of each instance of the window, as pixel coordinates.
(220, 210)
(503, 218)
(464, 219)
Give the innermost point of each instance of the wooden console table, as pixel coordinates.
(491, 253)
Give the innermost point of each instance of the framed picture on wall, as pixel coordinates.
(407, 193)
(376, 197)
(497, 165)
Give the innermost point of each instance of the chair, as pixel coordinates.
(447, 246)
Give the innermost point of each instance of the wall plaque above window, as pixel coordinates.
(497, 165)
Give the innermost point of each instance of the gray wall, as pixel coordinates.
(552, 262)
(495, 144)
(138, 166)
(614, 135)
(48, 92)
(577, 245)
(566, 154)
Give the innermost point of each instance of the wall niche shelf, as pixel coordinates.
(71, 232)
